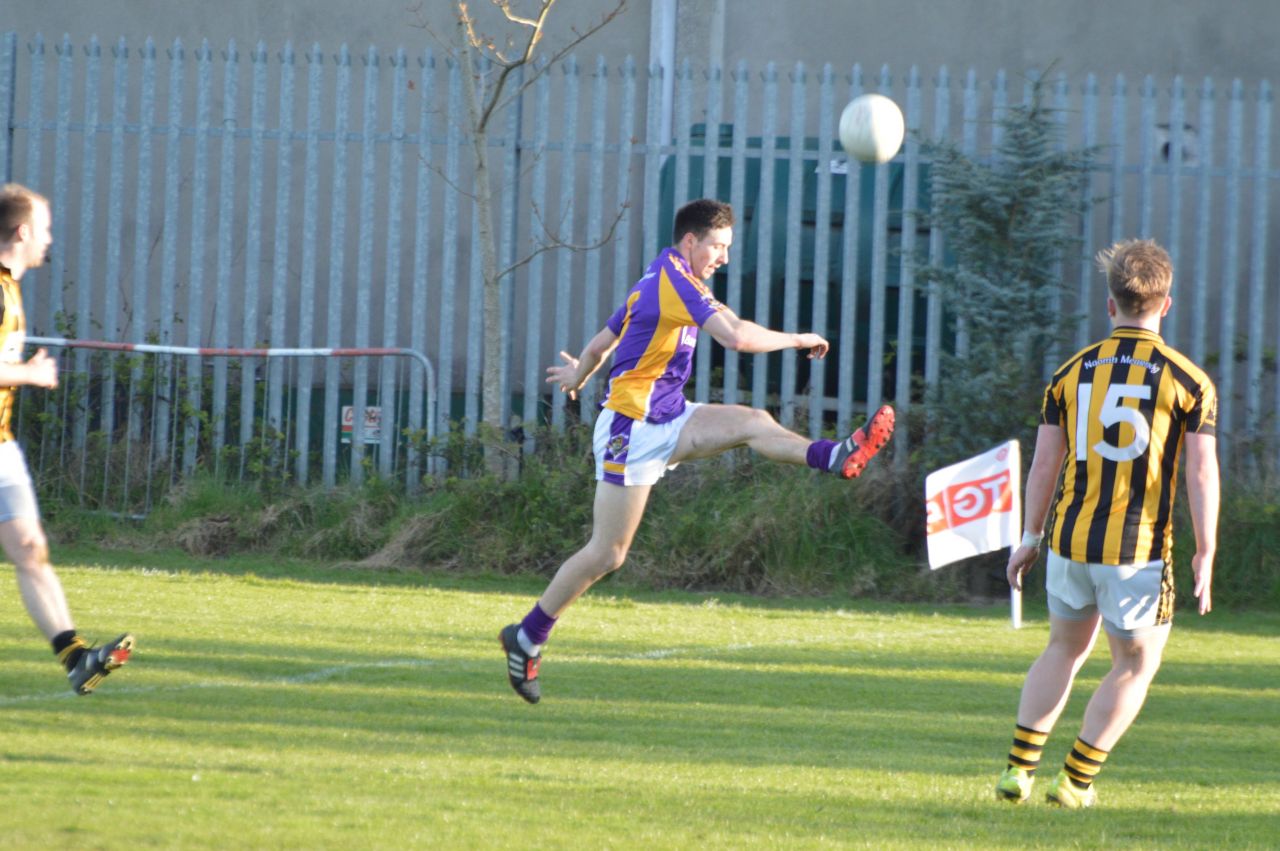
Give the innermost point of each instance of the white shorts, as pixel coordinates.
(1131, 598)
(634, 452)
(17, 494)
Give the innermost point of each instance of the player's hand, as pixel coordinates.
(1202, 570)
(42, 370)
(565, 375)
(817, 346)
(1021, 560)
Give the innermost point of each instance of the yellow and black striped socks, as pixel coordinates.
(1083, 763)
(69, 647)
(1028, 745)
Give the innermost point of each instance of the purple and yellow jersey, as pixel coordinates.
(13, 326)
(657, 328)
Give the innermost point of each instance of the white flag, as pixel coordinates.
(974, 506)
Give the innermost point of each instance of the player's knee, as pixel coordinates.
(31, 552)
(754, 422)
(609, 557)
(614, 558)
(1138, 661)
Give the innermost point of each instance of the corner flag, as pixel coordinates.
(975, 507)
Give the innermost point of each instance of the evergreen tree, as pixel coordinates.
(1009, 224)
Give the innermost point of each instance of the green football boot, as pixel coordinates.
(1068, 795)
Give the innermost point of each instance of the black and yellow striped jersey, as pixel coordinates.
(13, 326)
(1125, 404)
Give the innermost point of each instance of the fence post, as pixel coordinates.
(764, 230)
(421, 256)
(227, 185)
(337, 271)
(1230, 271)
(565, 213)
(595, 223)
(273, 424)
(449, 260)
(822, 245)
(364, 259)
(1200, 299)
(534, 299)
(308, 278)
(85, 273)
(1258, 261)
(933, 324)
(849, 278)
(907, 282)
(791, 258)
(253, 255)
(388, 397)
(8, 98)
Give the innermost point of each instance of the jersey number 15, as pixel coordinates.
(1113, 412)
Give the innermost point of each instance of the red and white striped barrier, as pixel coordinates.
(158, 349)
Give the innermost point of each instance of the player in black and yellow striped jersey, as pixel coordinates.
(1124, 404)
(1116, 419)
(25, 237)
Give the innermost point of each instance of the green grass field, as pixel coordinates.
(303, 707)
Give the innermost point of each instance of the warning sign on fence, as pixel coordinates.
(372, 423)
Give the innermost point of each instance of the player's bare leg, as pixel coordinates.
(1048, 683)
(1114, 705)
(616, 516)
(1044, 695)
(714, 429)
(1120, 695)
(24, 543)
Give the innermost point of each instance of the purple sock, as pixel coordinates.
(537, 625)
(819, 454)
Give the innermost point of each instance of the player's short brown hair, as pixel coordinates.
(698, 217)
(1139, 275)
(16, 204)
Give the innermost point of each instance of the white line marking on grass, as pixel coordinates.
(668, 652)
(304, 678)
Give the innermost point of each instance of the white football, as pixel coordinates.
(871, 128)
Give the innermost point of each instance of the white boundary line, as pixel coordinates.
(297, 679)
(335, 671)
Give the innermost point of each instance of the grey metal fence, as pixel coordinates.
(213, 198)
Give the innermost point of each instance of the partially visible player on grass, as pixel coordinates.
(24, 242)
(1119, 412)
(646, 426)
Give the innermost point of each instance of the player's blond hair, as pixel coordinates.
(16, 204)
(1139, 275)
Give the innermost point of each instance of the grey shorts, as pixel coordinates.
(1127, 596)
(17, 494)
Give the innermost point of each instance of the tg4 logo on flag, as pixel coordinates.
(974, 506)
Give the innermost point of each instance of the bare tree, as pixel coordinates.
(489, 68)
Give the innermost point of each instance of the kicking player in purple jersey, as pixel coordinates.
(647, 427)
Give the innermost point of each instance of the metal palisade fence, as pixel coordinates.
(214, 199)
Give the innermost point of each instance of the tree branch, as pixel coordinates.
(440, 173)
(579, 37)
(558, 243)
(507, 65)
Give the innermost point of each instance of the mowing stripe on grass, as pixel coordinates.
(298, 679)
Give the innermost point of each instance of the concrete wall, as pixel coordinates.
(1161, 37)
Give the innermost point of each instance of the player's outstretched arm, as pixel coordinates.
(1203, 495)
(1051, 446)
(40, 371)
(742, 335)
(574, 372)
